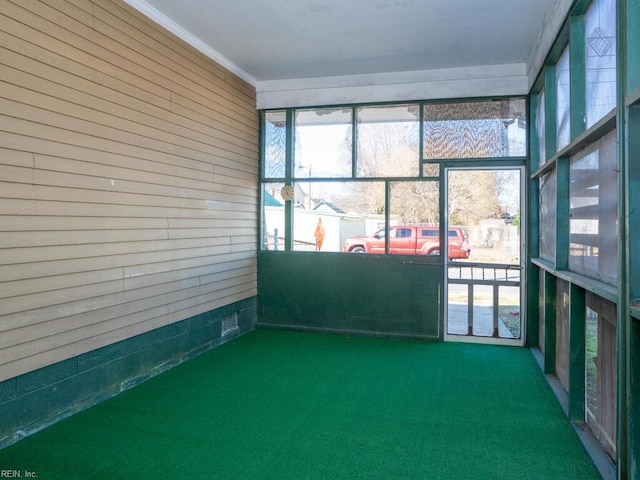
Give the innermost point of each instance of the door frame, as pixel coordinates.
(444, 220)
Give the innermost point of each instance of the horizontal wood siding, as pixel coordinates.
(128, 180)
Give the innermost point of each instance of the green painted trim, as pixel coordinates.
(562, 215)
(624, 456)
(549, 323)
(601, 289)
(406, 102)
(633, 99)
(444, 209)
(532, 292)
(354, 143)
(288, 167)
(577, 368)
(532, 271)
(261, 167)
(489, 162)
(387, 214)
(632, 214)
(546, 168)
(577, 59)
(421, 141)
(580, 7)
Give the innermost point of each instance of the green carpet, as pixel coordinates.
(290, 405)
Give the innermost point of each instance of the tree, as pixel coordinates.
(472, 196)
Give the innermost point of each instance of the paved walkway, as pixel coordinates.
(482, 321)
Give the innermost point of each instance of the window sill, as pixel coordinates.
(633, 99)
(601, 289)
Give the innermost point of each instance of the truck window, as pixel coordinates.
(429, 233)
(403, 232)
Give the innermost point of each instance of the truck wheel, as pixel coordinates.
(358, 250)
(435, 251)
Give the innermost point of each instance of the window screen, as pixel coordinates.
(388, 141)
(275, 140)
(600, 45)
(593, 201)
(322, 143)
(326, 214)
(475, 129)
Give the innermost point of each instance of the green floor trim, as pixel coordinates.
(282, 404)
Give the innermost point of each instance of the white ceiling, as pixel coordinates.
(279, 40)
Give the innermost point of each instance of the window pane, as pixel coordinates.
(275, 138)
(540, 128)
(323, 143)
(593, 234)
(600, 44)
(388, 139)
(486, 203)
(414, 218)
(272, 217)
(548, 192)
(326, 214)
(475, 129)
(563, 89)
(415, 203)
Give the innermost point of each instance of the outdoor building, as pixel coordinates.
(178, 177)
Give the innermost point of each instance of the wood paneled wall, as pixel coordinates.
(128, 180)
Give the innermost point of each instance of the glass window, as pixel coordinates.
(272, 217)
(548, 216)
(600, 45)
(483, 129)
(327, 216)
(332, 205)
(414, 204)
(563, 103)
(323, 143)
(275, 141)
(593, 202)
(388, 139)
(540, 128)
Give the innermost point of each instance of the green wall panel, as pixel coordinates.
(369, 294)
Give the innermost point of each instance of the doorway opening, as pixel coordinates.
(484, 294)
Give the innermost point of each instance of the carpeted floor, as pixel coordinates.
(289, 405)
